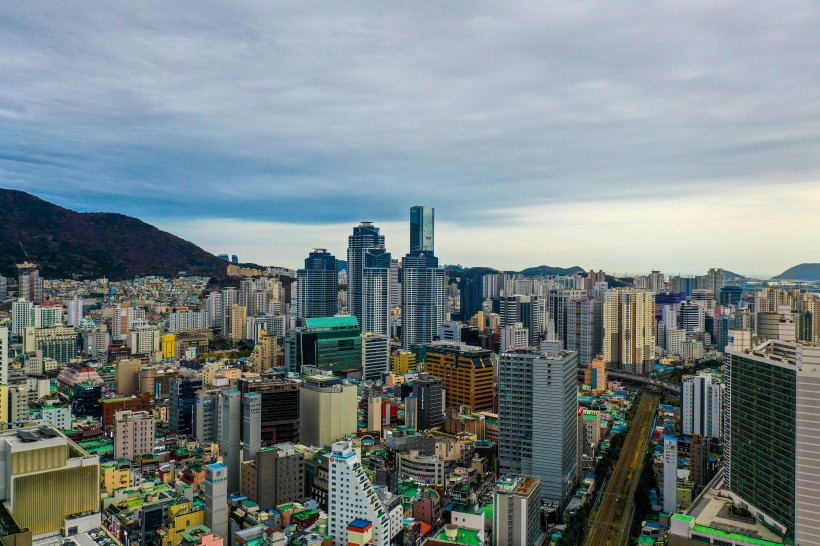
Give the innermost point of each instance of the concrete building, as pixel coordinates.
(280, 406)
(516, 511)
(428, 402)
(595, 375)
(52, 485)
(629, 330)
(585, 328)
(216, 498)
(274, 477)
(327, 410)
(376, 290)
(771, 437)
(238, 322)
(352, 496)
(375, 355)
(58, 343)
(515, 337)
(466, 372)
(133, 434)
(701, 406)
(423, 298)
(181, 400)
(251, 424)
(670, 474)
(229, 437)
(538, 417)
(4, 355)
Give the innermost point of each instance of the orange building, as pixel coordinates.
(466, 373)
(595, 375)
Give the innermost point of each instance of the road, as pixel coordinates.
(609, 523)
(644, 380)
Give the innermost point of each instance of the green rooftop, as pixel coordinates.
(466, 537)
(342, 321)
(733, 536)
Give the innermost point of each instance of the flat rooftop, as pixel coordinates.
(712, 512)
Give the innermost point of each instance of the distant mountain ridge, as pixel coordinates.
(90, 244)
(802, 272)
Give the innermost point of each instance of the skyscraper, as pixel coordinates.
(538, 415)
(702, 400)
(216, 499)
(365, 237)
(29, 282)
(318, 286)
(629, 330)
(229, 436)
(4, 356)
(182, 397)
(422, 229)
(585, 328)
(376, 281)
(771, 433)
(251, 424)
(423, 299)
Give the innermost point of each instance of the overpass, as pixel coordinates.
(644, 380)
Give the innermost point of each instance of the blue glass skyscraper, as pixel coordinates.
(422, 233)
(318, 286)
(365, 237)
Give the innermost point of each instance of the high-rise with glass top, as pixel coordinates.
(422, 220)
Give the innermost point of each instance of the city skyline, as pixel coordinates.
(594, 133)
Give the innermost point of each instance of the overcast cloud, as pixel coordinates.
(626, 135)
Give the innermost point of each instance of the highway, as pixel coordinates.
(644, 380)
(611, 518)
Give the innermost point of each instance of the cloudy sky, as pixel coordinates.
(617, 135)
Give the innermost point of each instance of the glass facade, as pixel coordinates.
(763, 431)
(422, 221)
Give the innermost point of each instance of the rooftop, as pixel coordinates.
(711, 516)
(466, 537)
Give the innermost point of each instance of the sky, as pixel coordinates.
(626, 136)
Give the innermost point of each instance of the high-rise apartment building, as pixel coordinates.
(558, 311)
(4, 355)
(423, 299)
(422, 229)
(629, 330)
(239, 322)
(701, 406)
(516, 511)
(466, 372)
(318, 285)
(29, 282)
(693, 317)
(715, 280)
(133, 434)
(538, 417)
(771, 433)
(585, 328)
(529, 310)
(365, 237)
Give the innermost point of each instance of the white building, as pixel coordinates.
(216, 499)
(352, 496)
(515, 337)
(670, 474)
(516, 513)
(75, 311)
(57, 416)
(187, 321)
(144, 340)
(702, 399)
(4, 355)
(375, 355)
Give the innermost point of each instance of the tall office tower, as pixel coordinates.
(715, 280)
(230, 445)
(331, 344)
(516, 511)
(771, 432)
(29, 283)
(51, 486)
(693, 317)
(352, 497)
(670, 474)
(247, 287)
(629, 330)
(181, 401)
(422, 229)
(280, 407)
(4, 356)
(538, 417)
(216, 499)
(216, 310)
(395, 283)
(4, 287)
(375, 356)
(251, 424)
(701, 406)
(365, 237)
(376, 291)
(730, 295)
(585, 328)
(327, 410)
(466, 372)
(75, 311)
(423, 298)
(558, 302)
(133, 434)
(428, 394)
(274, 477)
(318, 286)
(681, 285)
(206, 415)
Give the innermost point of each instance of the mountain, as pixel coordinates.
(802, 272)
(550, 270)
(90, 244)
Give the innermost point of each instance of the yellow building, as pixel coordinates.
(403, 361)
(115, 476)
(466, 373)
(169, 346)
(181, 517)
(239, 322)
(4, 403)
